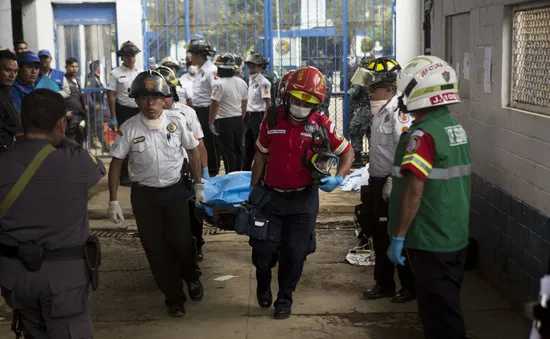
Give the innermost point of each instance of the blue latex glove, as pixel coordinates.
(330, 183)
(395, 251)
(213, 130)
(205, 174)
(113, 123)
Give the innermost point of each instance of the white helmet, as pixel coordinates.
(427, 81)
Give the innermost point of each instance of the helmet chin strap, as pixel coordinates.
(401, 106)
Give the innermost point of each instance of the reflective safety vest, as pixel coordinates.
(441, 224)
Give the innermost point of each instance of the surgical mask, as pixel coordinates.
(153, 124)
(376, 105)
(300, 113)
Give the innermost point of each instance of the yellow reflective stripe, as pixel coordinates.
(261, 147)
(441, 173)
(93, 158)
(341, 148)
(429, 90)
(418, 162)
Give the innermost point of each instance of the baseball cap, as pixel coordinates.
(44, 52)
(27, 58)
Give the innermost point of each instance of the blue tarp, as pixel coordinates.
(227, 189)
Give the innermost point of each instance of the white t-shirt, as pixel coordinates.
(229, 92)
(155, 157)
(258, 91)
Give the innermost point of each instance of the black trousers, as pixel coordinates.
(438, 281)
(213, 156)
(253, 122)
(124, 113)
(377, 211)
(230, 132)
(196, 225)
(162, 218)
(296, 216)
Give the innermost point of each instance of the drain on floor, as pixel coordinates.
(132, 234)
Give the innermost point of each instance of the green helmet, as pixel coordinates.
(169, 75)
(149, 82)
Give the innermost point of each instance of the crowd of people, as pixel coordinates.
(172, 133)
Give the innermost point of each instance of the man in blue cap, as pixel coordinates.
(56, 75)
(29, 64)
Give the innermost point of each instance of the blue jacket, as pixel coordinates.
(20, 90)
(55, 75)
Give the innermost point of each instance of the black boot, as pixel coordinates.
(265, 297)
(378, 291)
(357, 162)
(403, 296)
(196, 292)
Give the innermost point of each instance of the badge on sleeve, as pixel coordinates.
(171, 127)
(412, 145)
(310, 128)
(138, 140)
(404, 118)
(404, 129)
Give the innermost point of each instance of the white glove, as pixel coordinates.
(115, 212)
(199, 194)
(386, 190)
(82, 124)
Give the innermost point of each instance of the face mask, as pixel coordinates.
(299, 113)
(254, 76)
(153, 124)
(376, 105)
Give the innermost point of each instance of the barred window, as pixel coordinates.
(531, 60)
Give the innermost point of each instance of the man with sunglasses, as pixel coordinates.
(154, 140)
(388, 123)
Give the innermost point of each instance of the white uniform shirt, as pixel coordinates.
(202, 85)
(187, 84)
(387, 126)
(119, 80)
(191, 121)
(183, 93)
(258, 91)
(229, 92)
(155, 157)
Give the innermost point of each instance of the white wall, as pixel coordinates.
(38, 26)
(6, 38)
(510, 148)
(128, 16)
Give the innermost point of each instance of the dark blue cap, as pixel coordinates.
(44, 52)
(27, 58)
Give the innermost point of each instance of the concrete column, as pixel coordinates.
(128, 18)
(38, 26)
(6, 38)
(408, 30)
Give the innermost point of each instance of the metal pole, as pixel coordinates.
(393, 29)
(144, 30)
(176, 19)
(187, 30)
(166, 33)
(266, 28)
(270, 42)
(345, 120)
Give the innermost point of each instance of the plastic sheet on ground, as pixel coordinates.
(354, 181)
(361, 255)
(227, 189)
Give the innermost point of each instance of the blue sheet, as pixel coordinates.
(226, 189)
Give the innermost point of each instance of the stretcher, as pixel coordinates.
(224, 194)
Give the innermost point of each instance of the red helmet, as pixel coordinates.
(282, 84)
(307, 84)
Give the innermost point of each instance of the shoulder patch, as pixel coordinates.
(404, 118)
(405, 129)
(412, 145)
(418, 133)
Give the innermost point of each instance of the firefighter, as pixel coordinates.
(299, 146)
(121, 106)
(387, 125)
(154, 140)
(228, 108)
(430, 198)
(202, 94)
(259, 101)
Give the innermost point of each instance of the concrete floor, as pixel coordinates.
(326, 304)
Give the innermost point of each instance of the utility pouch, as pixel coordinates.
(92, 254)
(31, 255)
(258, 226)
(250, 219)
(186, 175)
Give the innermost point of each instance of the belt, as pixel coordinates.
(289, 194)
(261, 112)
(55, 255)
(157, 188)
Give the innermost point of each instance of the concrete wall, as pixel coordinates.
(6, 38)
(510, 150)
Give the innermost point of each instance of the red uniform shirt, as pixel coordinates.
(420, 147)
(285, 144)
